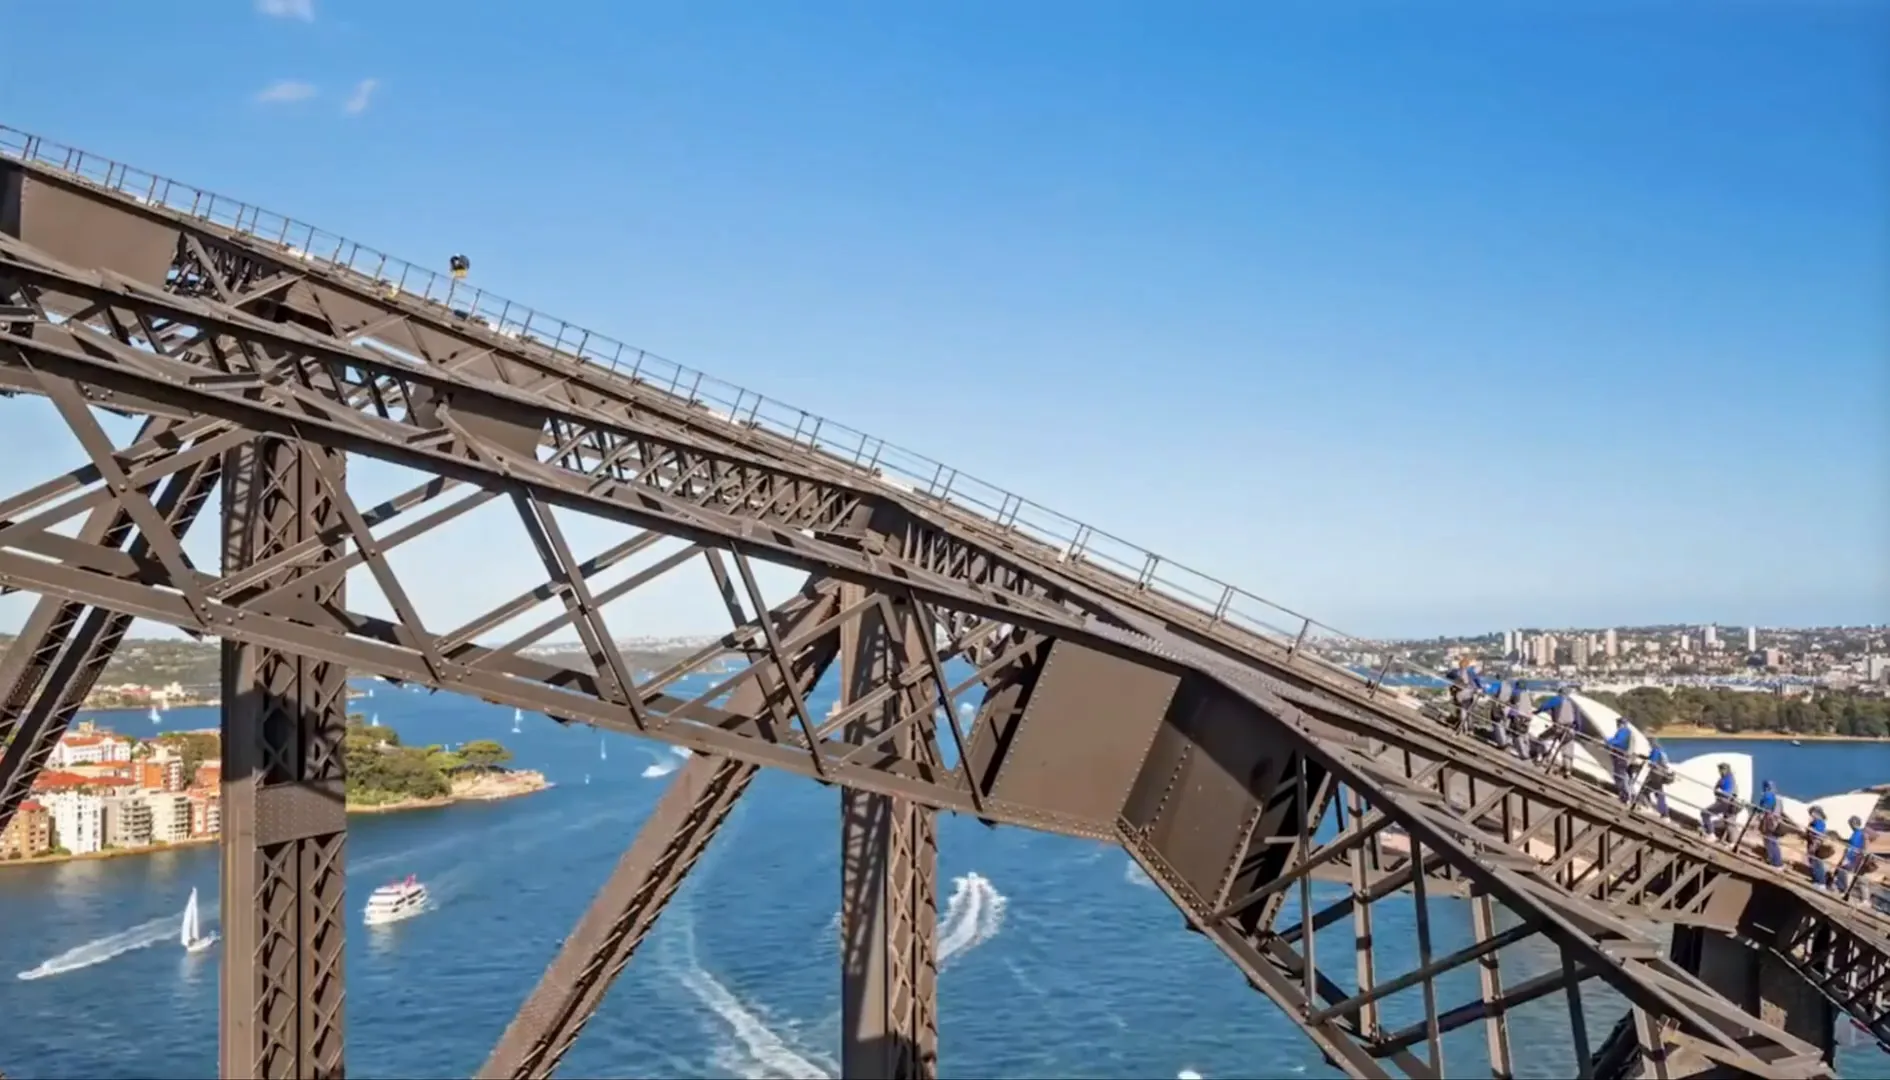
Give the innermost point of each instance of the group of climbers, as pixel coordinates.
(1511, 710)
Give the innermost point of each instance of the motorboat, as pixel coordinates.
(392, 903)
(192, 936)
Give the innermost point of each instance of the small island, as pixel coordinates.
(384, 776)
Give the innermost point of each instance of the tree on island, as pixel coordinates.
(484, 754)
(381, 770)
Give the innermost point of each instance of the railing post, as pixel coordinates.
(1220, 609)
(1149, 562)
(1371, 689)
(1305, 625)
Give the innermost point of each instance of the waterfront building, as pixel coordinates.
(161, 774)
(127, 820)
(29, 834)
(209, 776)
(88, 749)
(170, 816)
(77, 820)
(206, 812)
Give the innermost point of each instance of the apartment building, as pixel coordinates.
(28, 834)
(160, 774)
(206, 812)
(170, 816)
(78, 820)
(127, 820)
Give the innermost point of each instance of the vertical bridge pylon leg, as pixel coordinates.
(889, 874)
(284, 819)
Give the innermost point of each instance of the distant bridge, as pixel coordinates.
(1121, 697)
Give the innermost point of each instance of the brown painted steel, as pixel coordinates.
(888, 862)
(284, 826)
(691, 811)
(1110, 708)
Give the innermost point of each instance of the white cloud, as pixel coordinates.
(363, 93)
(288, 9)
(286, 90)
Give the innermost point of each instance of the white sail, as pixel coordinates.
(190, 921)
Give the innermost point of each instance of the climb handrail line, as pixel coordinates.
(900, 468)
(1078, 544)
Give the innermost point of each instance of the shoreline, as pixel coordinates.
(1683, 733)
(524, 783)
(518, 785)
(209, 703)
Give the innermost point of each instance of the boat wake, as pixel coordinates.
(664, 764)
(973, 916)
(758, 1051)
(1133, 873)
(98, 951)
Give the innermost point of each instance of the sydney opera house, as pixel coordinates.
(1694, 777)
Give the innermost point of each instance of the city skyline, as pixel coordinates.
(1215, 283)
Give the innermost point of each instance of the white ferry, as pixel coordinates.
(392, 903)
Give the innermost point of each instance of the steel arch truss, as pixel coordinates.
(1233, 789)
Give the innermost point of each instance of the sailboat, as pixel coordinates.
(603, 752)
(155, 717)
(517, 715)
(193, 938)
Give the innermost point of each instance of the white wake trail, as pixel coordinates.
(664, 764)
(1133, 873)
(761, 1053)
(99, 950)
(973, 916)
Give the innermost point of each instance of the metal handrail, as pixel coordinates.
(1080, 546)
(1079, 543)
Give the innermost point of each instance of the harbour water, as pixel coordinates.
(1058, 957)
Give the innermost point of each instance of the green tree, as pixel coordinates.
(195, 747)
(484, 754)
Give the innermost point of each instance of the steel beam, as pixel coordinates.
(677, 832)
(889, 868)
(284, 820)
(81, 639)
(687, 817)
(1231, 752)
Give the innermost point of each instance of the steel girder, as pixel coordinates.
(1023, 622)
(938, 536)
(888, 860)
(284, 825)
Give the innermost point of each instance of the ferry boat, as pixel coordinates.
(392, 903)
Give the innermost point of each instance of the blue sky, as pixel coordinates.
(1418, 320)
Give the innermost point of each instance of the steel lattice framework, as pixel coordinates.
(1233, 766)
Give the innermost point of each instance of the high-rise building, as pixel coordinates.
(1509, 643)
(1709, 636)
(1610, 644)
(1685, 643)
(1752, 639)
(1579, 651)
(1545, 651)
